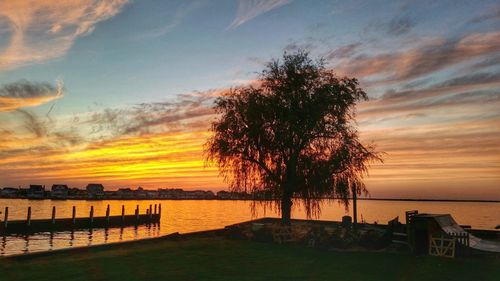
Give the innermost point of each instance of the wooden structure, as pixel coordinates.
(152, 216)
(435, 234)
(410, 233)
(448, 245)
(442, 246)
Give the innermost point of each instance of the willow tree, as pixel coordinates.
(293, 135)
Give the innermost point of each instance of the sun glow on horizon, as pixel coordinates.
(149, 160)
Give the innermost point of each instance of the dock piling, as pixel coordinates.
(150, 212)
(107, 214)
(28, 218)
(137, 213)
(155, 210)
(123, 213)
(53, 215)
(73, 215)
(91, 214)
(159, 211)
(6, 217)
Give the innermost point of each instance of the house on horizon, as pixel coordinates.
(59, 191)
(95, 191)
(76, 193)
(198, 194)
(9, 192)
(125, 193)
(230, 195)
(177, 193)
(170, 193)
(151, 193)
(140, 193)
(36, 191)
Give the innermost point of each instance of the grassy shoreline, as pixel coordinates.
(206, 256)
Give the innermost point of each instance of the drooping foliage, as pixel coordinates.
(293, 135)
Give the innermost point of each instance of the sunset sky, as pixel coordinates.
(120, 92)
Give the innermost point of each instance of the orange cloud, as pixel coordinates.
(152, 145)
(54, 24)
(27, 94)
(439, 139)
(433, 54)
(150, 160)
(10, 104)
(436, 155)
(451, 159)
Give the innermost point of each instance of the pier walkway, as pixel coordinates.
(29, 225)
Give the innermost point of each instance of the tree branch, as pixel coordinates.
(260, 164)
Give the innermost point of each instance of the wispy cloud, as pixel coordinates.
(188, 112)
(185, 9)
(399, 26)
(430, 56)
(491, 14)
(434, 111)
(295, 46)
(344, 51)
(27, 94)
(41, 30)
(396, 26)
(440, 136)
(146, 144)
(249, 9)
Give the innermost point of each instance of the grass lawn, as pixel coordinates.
(216, 258)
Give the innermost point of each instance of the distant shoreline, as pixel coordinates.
(98, 192)
(220, 199)
(432, 200)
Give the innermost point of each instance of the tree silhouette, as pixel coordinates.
(292, 136)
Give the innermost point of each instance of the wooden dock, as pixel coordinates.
(27, 226)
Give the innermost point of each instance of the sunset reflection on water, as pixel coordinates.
(195, 215)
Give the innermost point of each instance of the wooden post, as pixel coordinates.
(28, 219)
(159, 211)
(6, 217)
(137, 214)
(53, 215)
(150, 212)
(123, 213)
(91, 214)
(354, 207)
(155, 210)
(107, 214)
(73, 215)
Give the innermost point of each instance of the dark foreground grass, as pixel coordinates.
(215, 258)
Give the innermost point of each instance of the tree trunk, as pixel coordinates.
(288, 188)
(286, 208)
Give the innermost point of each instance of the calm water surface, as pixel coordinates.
(194, 215)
